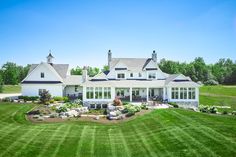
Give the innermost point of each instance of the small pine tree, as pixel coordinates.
(45, 97)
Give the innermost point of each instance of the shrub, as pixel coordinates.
(143, 106)
(137, 108)
(58, 98)
(51, 101)
(6, 100)
(225, 112)
(203, 108)
(61, 109)
(117, 102)
(45, 97)
(211, 82)
(28, 98)
(53, 108)
(213, 109)
(234, 113)
(66, 99)
(173, 104)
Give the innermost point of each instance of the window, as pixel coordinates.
(181, 93)
(139, 75)
(42, 75)
(191, 93)
(120, 92)
(131, 74)
(152, 75)
(98, 93)
(135, 92)
(76, 88)
(41, 91)
(104, 105)
(89, 93)
(107, 93)
(98, 106)
(174, 93)
(185, 93)
(121, 75)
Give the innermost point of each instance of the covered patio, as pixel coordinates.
(139, 94)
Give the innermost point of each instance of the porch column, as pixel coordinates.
(147, 94)
(164, 93)
(130, 94)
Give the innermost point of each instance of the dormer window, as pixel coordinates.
(152, 75)
(121, 76)
(131, 74)
(42, 75)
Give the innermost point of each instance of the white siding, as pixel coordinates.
(33, 89)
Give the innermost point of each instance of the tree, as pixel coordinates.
(1, 83)
(105, 68)
(93, 71)
(76, 71)
(45, 97)
(10, 73)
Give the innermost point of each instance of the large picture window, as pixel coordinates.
(107, 93)
(89, 92)
(175, 93)
(191, 93)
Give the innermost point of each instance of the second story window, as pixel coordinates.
(152, 75)
(121, 76)
(42, 75)
(131, 74)
(139, 75)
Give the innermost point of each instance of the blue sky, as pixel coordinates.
(80, 32)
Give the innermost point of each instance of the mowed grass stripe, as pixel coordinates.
(79, 144)
(50, 140)
(143, 141)
(180, 138)
(22, 138)
(202, 130)
(112, 142)
(24, 147)
(64, 136)
(8, 130)
(211, 133)
(124, 143)
(155, 141)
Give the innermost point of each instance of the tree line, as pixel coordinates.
(222, 72)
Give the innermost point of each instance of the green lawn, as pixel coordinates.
(167, 132)
(11, 89)
(219, 96)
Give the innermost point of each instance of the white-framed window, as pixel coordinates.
(191, 93)
(131, 75)
(76, 88)
(120, 92)
(151, 75)
(42, 74)
(120, 75)
(185, 93)
(98, 93)
(41, 91)
(89, 93)
(107, 92)
(174, 93)
(139, 74)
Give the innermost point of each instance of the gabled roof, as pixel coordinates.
(180, 80)
(100, 76)
(61, 69)
(134, 64)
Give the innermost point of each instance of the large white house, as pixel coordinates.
(130, 79)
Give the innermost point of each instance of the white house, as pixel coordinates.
(130, 79)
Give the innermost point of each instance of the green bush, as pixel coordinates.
(173, 104)
(225, 112)
(143, 106)
(51, 101)
(29, 98)
(53, 108)
(58, 98)
(137, 108)
(45, 97)
(213, 109)
(61, 109)
(203, 108)
(234, 113)
(66, 99)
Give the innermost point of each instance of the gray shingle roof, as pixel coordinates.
(61, 69)
(73, 80)
(135, 64)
